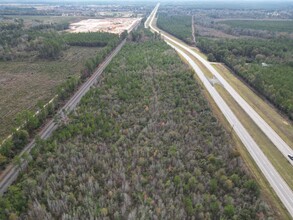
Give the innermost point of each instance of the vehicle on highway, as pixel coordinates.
(290, 156)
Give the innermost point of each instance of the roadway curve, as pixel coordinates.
(12, 171)
(273, 177)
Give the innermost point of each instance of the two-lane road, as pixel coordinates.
(276, 181)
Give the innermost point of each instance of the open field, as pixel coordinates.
(23, 84)
(112, 25)
(273, 25)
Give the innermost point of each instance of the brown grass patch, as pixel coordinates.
(23, 84)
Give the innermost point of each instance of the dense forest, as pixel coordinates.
(91, 39)
(269, 25)
(14, 10)
(267, 65)
(178, 25)
(266, 29)
(142, 144)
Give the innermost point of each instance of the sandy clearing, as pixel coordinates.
(112, 25)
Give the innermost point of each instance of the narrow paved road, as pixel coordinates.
(12, 171)
(276, 181)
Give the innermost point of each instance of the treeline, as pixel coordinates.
(16, 41)
(10, 31)
(91, 39)
(257, 28)
(57, 27)
(274, 25)
(142, 145)
(92, 63)
(10, 10)
(177, 25)
(267, 65)
(29, 122)
(11, 26)
(48, 45)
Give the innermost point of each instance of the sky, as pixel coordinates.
(248, 3)
(40, 1)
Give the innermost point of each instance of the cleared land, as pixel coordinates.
(112, 25)
(23, 84)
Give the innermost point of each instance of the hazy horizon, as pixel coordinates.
(177, 1)
(208, 4)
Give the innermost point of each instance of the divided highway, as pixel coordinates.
(12, 171)
(282, 146)
(276, 181)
